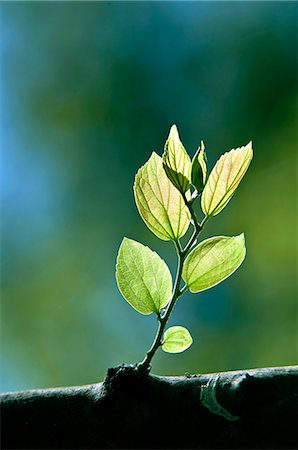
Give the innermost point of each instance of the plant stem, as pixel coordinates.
(163, 319)
(197, 226)
(177, 292)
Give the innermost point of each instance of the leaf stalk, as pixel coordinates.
(177, 292)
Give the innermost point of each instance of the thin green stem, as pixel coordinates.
(197, 230)
(184, 289)
(195, 223)
(163, 320)
(177, 292)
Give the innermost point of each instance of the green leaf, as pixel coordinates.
(199, 168)
(159, 203)
(143, 277)
(176, 161)
(224, 179)
(212, 261)
(176, 340)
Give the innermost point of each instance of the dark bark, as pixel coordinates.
(249, 409)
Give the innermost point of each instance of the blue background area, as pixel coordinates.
(88, 91)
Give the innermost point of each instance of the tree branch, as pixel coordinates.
(249, 409)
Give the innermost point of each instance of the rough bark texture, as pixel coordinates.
(249, 409)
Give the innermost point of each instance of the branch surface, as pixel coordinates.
(246, 409)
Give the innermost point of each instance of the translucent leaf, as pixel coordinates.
(212, 261)
(143, 277)
(224, 179)
(176, 340)
(159, 202)
(176, 161)
(199, 168)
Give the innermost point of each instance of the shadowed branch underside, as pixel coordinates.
(250, 409)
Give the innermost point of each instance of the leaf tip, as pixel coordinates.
(240, 236)
(241, 240)
(154, 156)
(247, 150)
(173, 130)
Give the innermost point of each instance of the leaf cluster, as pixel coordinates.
(165, 190)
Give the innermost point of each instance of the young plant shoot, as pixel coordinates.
(165, 190)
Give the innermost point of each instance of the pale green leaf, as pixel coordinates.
(212, 261)
(159, 203)
(176, 161)
(199, 168)
(143, 277)
(224, 179)
(176, 340)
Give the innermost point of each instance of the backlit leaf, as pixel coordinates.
(176, 340)
(176, 161)
(212, 261)
(224, 179)
(199, 168)
(159, 203)
(143, 277)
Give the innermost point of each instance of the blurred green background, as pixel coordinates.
(88, 91)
